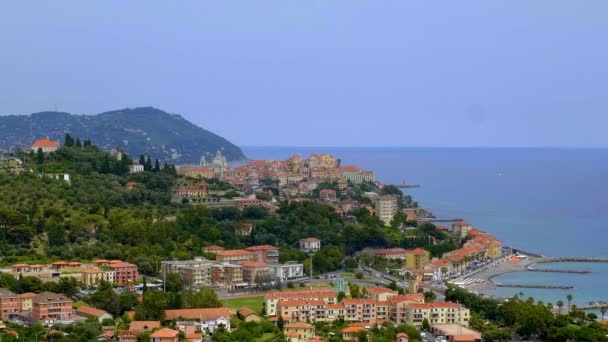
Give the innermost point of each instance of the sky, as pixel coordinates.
(322, 73)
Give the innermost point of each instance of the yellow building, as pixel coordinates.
(416, 259)
(26, 301)
(92, 276)
(436, 313)
(299, 331)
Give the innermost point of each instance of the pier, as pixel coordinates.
(405, 185)
(548, 287)
(434, 219)
(550, 270)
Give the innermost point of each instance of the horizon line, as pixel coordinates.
(556, 147)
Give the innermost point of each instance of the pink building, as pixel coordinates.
(125, 272)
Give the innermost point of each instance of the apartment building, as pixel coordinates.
(289, 270)
(310, 244)
(49, 307)
(265, 253)
(360, 310)
(234, 256)
(398, 304)
(125, 273)
(436, 313)
(272, 300)
(303, 310)
(93, 276)
(416, 259)
(228, 276)
(379, 293)
(386, 207)
(9, 303)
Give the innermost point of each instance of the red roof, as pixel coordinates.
(253, 264)
(46, 142)
(165, 332)
(417, 251)
(310, 239)
(206, 314)
(262, 248)
(233, 252)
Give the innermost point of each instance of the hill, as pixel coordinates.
(144, 130)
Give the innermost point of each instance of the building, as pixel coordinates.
(9, 303)
(26, 301)
(256, 273)
(460, 229)
(91, 312)
(93, 276)
(127, 336)
(124, 272)
(386, 207)
(360, 310)
(299, 331)
(243, 203)
(455, 333)
(46, 145)
(212, 249)
(195, 273)
(196, 191)
(327, 195)
(350, 333)
(436, 313)
(265, 253)
(49, 307)
(398, 306)
(136, 167)
(271, 300)
(379, 293)
(165, 335)
(416, 259)
(228, 276)
(402, 337)
(310, 244)
(391, 253)
(208, 318)
(235, 256)
(219, 164)
(248, 315)
(287, 271)
(303, 310)
(139, 327)
(411, 214)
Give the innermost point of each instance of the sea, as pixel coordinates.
(549, 201)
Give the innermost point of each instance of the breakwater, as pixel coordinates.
(528, 286)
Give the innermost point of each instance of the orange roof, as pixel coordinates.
(74, 263)
(402, 335)
(417, 251)
(93, 270)
(139, 326)
(90, 311)
(100, 261)
(214, 247)
(193, 336)
(407, 297)
(389, 251)
(380, 290)
(245, 312)
(352, 329)
(207, 314)
(253, 264)
(358, 301)
(292, 334)
(233, 252)
(20, 265)
(59, 263)
(165, 332)
(335, 306)
(27, 295)
(311, 239)
(46, 142)
(434, 305)
(349, 168)
(298, 325)
(301, 302)
(262, 248)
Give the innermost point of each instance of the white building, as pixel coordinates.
(289, 270)
(310, 244)
(135, 168)
(386, 207)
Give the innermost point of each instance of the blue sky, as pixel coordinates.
(333, 73)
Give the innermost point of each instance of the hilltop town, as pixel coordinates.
(302, 249)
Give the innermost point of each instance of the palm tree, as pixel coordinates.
(569, 298)
(603, 310)
(560, 305)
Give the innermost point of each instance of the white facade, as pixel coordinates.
(135, 168)
(310, 245)
(386, 208)
(289, 270)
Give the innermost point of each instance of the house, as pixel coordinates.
(391, 253)
(127, 336)
(456, 332)
(212, 249)
(93, 276)
(209, 318)
(327, 195)
(136, 167)
(139, 327)
(197, 191)
(310, 244)
(165, 335)
(91, 312)
(9, 303)
(243, 203)
(350, 333)
(49, 307)
(460, 229)
(416, 259)
(194, 337)
(411, 214)
(265, 253)
(131, 185)
(436, 313)
(248, 315)
(402, 337)
(299, 331)
(125, 272)
(199, 172)
(46, 145)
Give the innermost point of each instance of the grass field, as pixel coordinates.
(254, 303)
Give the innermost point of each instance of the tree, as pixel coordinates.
(569, 298)
(560, 305)
(341, 296)
(425, 325)
(156, 166)
(69, 141)
(204, 298)
(429, 296)
(78, 143)
(153, 306)
(173, 282)
(39, 156)
(280, 322)
(603, 310)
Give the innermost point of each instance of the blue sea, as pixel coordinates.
(552, 202)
